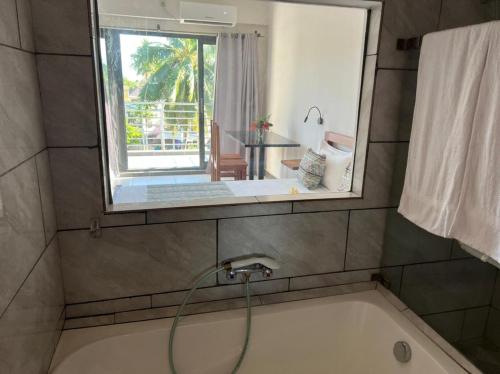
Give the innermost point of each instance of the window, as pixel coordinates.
(251, 101)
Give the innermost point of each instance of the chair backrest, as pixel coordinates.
(215, 151)
(334, 138)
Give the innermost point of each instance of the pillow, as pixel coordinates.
(311, 169)
(337, 176)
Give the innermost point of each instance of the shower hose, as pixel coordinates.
(181, 308)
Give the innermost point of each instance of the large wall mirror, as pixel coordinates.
(211, 102)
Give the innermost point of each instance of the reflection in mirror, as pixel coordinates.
(219, 101)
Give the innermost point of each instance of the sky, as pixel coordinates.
(129, 44)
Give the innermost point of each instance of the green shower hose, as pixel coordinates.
(181, 308)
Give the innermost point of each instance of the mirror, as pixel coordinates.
(217, 102)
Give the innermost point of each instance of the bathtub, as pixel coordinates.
(345, 334)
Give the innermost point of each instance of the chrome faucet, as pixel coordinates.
(248, 266)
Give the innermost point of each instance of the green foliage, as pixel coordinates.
(170, 69)
(134, 135)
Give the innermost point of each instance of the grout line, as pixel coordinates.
(62, 54)
(389, 141)
(438, 26)
(40, 199)
(217, 250)
(18, 25)
(453, 310)
(16, 48)
(401, 281)
(72, 146)
(25, 279)
(346, 239)
(22, 162)
(396, 69)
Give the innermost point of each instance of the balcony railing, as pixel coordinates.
(164, 127)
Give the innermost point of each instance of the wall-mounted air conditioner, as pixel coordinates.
(207, 14)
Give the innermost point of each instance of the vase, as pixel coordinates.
(259, 134)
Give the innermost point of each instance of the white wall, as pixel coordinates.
(249, 11)
(315, 56)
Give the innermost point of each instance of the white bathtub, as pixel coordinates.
(344, 334)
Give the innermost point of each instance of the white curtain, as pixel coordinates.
(236, 86)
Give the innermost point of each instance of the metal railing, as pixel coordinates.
(163, 127)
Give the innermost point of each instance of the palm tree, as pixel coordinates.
(170, 69)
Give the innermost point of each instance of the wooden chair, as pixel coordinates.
(331, 138)
(224, 165)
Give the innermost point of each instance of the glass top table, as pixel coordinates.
(249, 139)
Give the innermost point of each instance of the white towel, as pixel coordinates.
(452, 183)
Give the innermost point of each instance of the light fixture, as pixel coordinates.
(320, 119)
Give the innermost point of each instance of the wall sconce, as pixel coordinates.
(320, 119)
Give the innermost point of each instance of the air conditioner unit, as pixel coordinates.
(207, 14)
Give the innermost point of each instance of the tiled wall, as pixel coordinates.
(31, 292)
(147, 260)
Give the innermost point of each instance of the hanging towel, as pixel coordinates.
(452, 182)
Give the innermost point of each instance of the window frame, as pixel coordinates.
(368, 69)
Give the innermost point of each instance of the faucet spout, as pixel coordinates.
(248, 266)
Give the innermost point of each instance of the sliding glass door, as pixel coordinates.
(159, 91)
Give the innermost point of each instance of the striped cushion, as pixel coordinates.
(311, 169)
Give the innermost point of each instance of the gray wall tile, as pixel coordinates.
(393, 276)
(456, 13)
(29, 326)
(382, 237)
(77, 185)
(188, 214)
(317, 292)
(221, 292)
(67, 89)
(493, 326)
(406, 243)
(496, 293)
(405, 19)
(445, 286)
(25, 25)
(302, 243)
(108, 306)
(448, 325)
(458, 252)
(474, 323)
(393, 105)
(21, 228)
(21, 120)
(170, 311)
(77, 323)
(61, 26)
(122, 219)
(331, 279)
(46, 195)
(8, 23)
(136, 260)
(365, 241)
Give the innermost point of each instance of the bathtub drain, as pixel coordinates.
(402, 351)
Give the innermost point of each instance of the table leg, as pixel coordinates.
(262, 162)
(251, 167)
